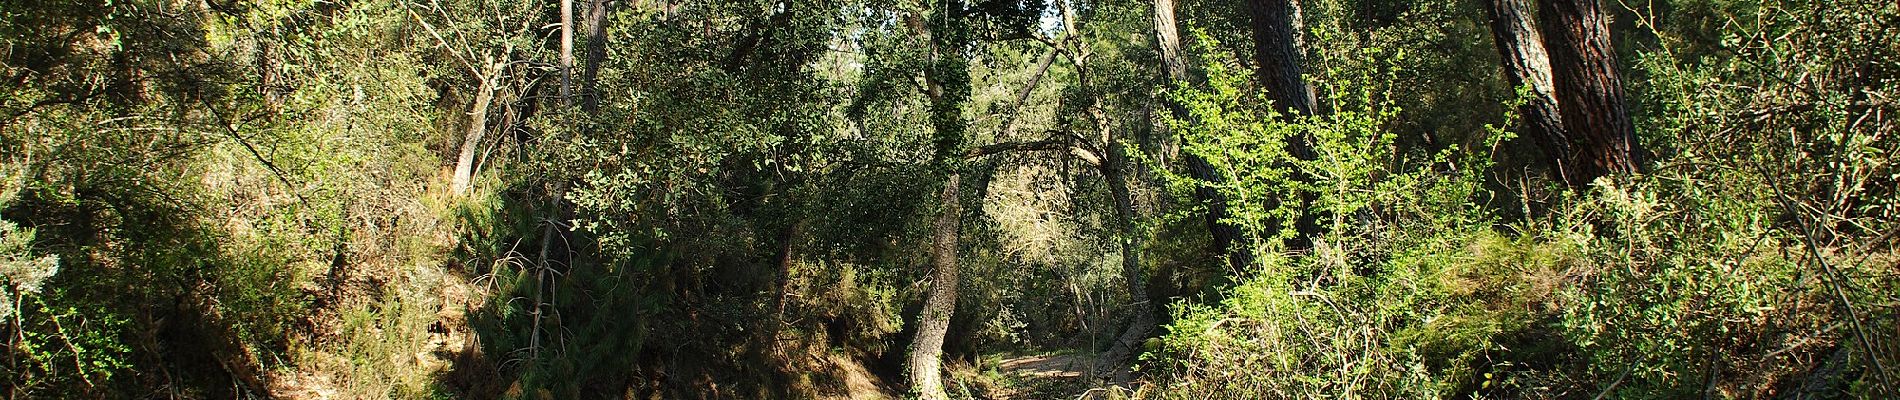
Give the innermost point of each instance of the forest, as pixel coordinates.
(949, 199)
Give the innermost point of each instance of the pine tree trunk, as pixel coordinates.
(926, 354)
(1277, 56)
(1226, 236)
(1277, 61)
(1527, 65)
(1589, 90)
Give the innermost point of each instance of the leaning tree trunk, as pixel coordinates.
(1527, 65)
(1277, 57)
(1142, 323)
(477, 128)
(1114, 169)
(926, 354)
(1589, 90)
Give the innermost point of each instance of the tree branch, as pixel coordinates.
(1057, 140)
(1016, 109)
(232, 131)
(467, 63)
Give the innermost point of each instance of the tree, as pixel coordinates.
(596, 53)
(1275, 27)
(488, 75)
(567, 52)
(1527, 66)
(1226, 235)
(1589, 91)
(1276, 33)
(947, 86)
(1114, 167)
(485, 50)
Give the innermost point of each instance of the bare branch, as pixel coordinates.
(1057, 141)
(1009, 124)
(466, 60)
(232, 131)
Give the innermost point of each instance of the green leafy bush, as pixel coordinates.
(1381, 307)
(1749, 262)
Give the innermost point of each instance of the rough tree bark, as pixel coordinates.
(1527, 65)
(1589, 90)
(1277, 59)
(596, 53)
(926, 357)
(1226, 236)
(947, 79)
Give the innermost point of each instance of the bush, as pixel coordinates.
(1749, 262)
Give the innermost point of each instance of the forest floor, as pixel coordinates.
(1047, 366)
(1038, 376)
(857, 381)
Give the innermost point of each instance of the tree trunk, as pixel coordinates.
(1226, 236)
(1168, 43)
(477, 127)
(552, 229)
(1114, 170)
(947, 78)
(1589, 90)
(787, 253)
(1277, 57)
(1526, 65)
(596, 53)
(567, 52)
(926, 354)
(1142, 322)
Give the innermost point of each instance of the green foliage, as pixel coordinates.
(1385, 306)
(216, 181)
(591, 322)
(1745, 244)
(1755, 225)
(230, 199)
(21, 273)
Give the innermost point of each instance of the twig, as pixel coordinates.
(1619, 380)
(232, 131)
(467, 60)
(1804, 340)
(1869, 245)
(77, 366)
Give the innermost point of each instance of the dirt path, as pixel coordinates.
(1045, 376)
(1047, 366)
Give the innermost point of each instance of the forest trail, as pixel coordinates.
(1047, 366)
(1043, 376)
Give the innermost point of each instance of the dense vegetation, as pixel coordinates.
(865, 199)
